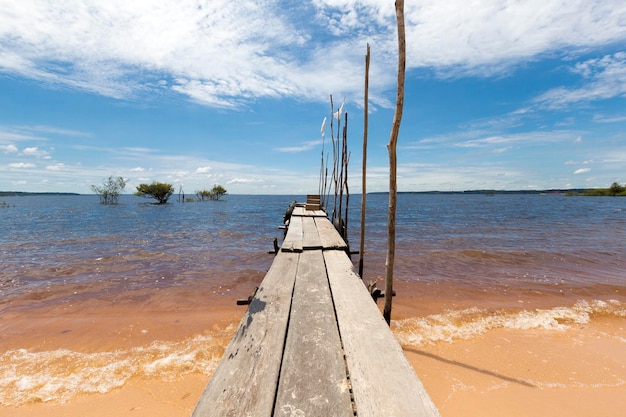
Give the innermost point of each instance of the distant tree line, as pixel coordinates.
(112, 187)
(614, 190)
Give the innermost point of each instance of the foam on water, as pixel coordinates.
(469, 323)
(59, 375)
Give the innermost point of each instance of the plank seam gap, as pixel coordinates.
(282, 353)
(343, 351)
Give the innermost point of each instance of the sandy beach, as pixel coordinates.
(578, 370)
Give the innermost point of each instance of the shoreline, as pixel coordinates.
(556, 371)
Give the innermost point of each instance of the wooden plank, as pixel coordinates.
(383, 381)
(313, 378)
(293, 239)
(298, 211)
(310, 236)
(301, 211)
(245, 381)
(329, 237)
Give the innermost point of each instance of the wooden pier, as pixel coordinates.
(313, 342)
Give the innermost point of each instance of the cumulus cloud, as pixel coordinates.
(226, 54)
(36, 152)
(203, 170)
(9, 148)
(137, 169)
(582, 171)
(21, 165)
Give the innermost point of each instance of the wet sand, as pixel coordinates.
(579, 371)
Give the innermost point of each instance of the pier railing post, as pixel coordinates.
(393, 140)
(364, 166)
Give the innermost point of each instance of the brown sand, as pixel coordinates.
(528, 373)
(504, 372)
(137, 398)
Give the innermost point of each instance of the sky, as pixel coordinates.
(499, 94)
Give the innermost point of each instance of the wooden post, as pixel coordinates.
(364, 169)
(321, 184)
(393, 140)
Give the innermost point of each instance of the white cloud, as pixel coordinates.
(57, 167)
(137, 169)
(35, 151)
(608, 119)
(606, 79)
(8, 134)
(582, 171)
(244, 181)
(518, 139)
(9, 148)
(306, 146)
(21, 165)
(203, 170)
(227, 54)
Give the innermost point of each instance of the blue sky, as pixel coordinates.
(499, 94)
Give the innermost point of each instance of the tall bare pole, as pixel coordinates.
(364, 169)
(391, 147)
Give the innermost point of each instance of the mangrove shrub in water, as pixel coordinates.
(110, 190)
(158, 190)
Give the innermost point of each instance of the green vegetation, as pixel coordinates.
(214, 193)
(158, 190)
(110, 190)
(614, 190)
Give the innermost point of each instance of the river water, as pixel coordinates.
(465, 264)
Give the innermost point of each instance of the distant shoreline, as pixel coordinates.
(492, 192)
(568, 191)
(25, 193)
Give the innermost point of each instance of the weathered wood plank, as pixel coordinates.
(330, 238)
(309, 213)
(313, 376)
(293, 239)
(298, 211)
(245, 381)
(383, 381)
(310, 236)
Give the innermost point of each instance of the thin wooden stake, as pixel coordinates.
(364, 169)
(393, 140)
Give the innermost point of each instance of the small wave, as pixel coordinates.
(59, 375)
(468, 323)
